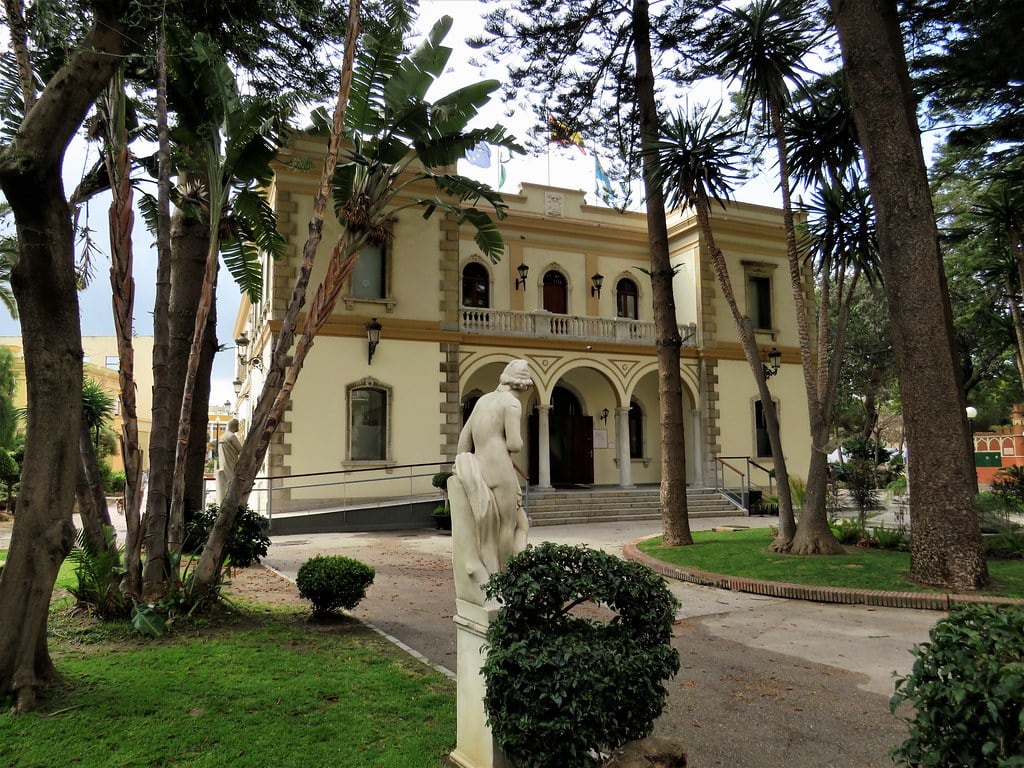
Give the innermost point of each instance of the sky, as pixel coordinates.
(566, 167)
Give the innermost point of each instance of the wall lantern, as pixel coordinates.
(373, 329)
(596, 280)
(523, 271)
(774, 358)
(242, 344)
(237, 384)
(604, 415)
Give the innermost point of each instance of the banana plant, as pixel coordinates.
(395, 138)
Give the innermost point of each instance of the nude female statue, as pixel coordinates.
(489, 524)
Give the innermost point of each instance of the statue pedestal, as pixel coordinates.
(474, 746)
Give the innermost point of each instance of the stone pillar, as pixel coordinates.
(474, 744)
(543, 446)
(622, 447)
(698, 463)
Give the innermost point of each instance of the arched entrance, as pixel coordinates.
(571, 436)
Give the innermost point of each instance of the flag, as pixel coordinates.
(602, 184)
(479, 155)
(563, 135)
(501, 168)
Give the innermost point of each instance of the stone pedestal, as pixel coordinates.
(474, 746)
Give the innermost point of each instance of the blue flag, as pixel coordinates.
(602, 184)
(480, 155)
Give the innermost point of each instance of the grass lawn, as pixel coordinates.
(744, 553)
(255, 688)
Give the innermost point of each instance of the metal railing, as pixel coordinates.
(394, 483)
(734, 480)
(543, 324)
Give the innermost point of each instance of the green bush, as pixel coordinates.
(98, 575)
(848, 531)
(248, 543)
(561, 688)
(967, 688)
(1007, 544)
(331, 582)
(118, 480)
(890, 538)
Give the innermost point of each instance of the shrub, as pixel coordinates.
(98, 575)
(1007, 544)
(248, 542)
(967, 688)
(117, 482)
(890, 538)
(848, 531)
(563, 689)
(331, 582)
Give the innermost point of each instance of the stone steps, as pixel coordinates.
(605, 505)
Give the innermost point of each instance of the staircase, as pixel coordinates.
(607, 504)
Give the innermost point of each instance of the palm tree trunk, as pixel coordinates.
(813, 535)
(270, 406)
(787, 522)
(122, 284)
(92, 503)
(160, 456)
(674, 514)
(945, 546)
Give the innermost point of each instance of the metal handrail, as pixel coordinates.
(721, 465)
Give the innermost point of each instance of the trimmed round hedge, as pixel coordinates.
(563, 689)
(331, 582)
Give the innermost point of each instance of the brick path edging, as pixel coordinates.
(933, 601)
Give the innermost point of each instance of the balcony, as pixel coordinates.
(545, 325)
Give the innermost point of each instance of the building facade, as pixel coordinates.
(571, 296)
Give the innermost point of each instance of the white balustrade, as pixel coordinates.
(541, 324)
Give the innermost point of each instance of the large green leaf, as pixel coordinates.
(452, 113)
(377, 62)
(417, 72)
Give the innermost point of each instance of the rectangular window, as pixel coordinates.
(759, 301)
(113, 362)
(368, 277)
(368, 430)
(762, 445)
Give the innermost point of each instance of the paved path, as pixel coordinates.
(764, 681)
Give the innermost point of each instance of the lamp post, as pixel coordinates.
(596, 280)
(972, 414)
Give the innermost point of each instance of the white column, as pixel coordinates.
(543, 446)
(622, 447)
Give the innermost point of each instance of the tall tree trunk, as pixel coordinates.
(945, 546)
(787, 523)
(813, 535)
(190, 243)
(275, 394)
(45, 285)
(674, 514)
(158, 495)
(122, 284)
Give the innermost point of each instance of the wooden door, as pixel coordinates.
(556, 299)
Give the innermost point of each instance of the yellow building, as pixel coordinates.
(101, 364)
(571, 296)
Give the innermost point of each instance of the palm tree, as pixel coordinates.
(398, 139)
(841, 245)
(763, 46)
(698, 159)
(97, 409)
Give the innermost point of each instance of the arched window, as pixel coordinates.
(555, 286)
(368, 406)
(636, 431)
(476, 285)
(627, 299)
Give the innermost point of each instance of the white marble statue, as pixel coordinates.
(489, 524)
(228, 449)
